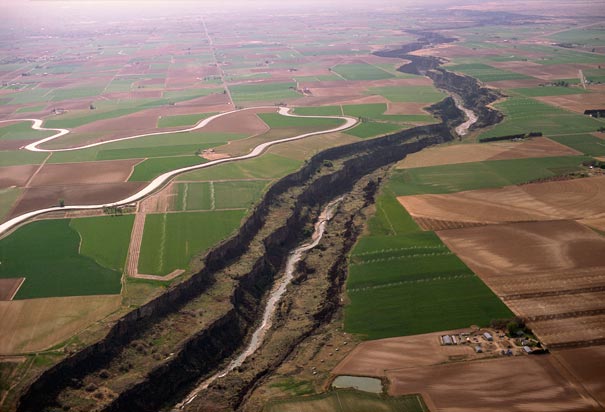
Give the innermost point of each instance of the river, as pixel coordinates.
(274, 297)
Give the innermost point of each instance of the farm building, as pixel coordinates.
(527, 349)
(488, 336)
(478, 349)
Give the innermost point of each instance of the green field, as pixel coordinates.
(549, 91)
(409, 94)
(271, 92)
(171, 240)
(76, 93)
(373, 129)
(238, 194)
(30, 109)
(585, 36)
(8, 197)
(152, 168)
(22, 131)
(318, 111)
(61, 270)
(267, 166)
(277, 121)
(480, 175)
(376, 112)
(404, 282)
(21, 157)
(585, 143)
(194, 196)
(524, 115)
(348, 400)
(486, 73)
(559, 55)
(361, 71)
(182, 120)
(105, 239)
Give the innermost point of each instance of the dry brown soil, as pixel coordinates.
(37, 324)
(552, 273)
(566, 199)
(9, 287)
(110, 171)
(16, 175)
(48, 196)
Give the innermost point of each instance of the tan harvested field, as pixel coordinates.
(598, 223)
(16, 175)
(551, 272)
(517, 384)
(110, 171)
(576, 102)
(566, 199)
(37, 324)
(465, 153)
(588, 365)
(9, 287)
(48, 196)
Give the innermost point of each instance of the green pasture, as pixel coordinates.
(584, 36)
(182, 120)
(171, 240)
(22, 131)
(8, 197)
(549, 91)
(61, 270)
(411, 94)
(267, 166)
(318, 111)
(585, 143)
(277, 121)
(348, 400)
(524, 115)
(361, 71)
(105, 239)
(480, 175)
(238, 194)
(403, 281)
(271, 92)
(373, 129)
(152, 168)
(486, 73)
(21, 157)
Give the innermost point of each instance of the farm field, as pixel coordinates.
(585, 143)
(524, 115)
(361, 71)
(480, 152)
(552, 253)
(64, 269)
(412, 281)
(567, 199)
(486, 73)
(349, 401)
(171, 240)
(478, 175)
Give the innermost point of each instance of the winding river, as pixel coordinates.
(161, 180)
(471, 117)
(274, 297)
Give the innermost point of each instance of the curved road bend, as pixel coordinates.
(161, 180)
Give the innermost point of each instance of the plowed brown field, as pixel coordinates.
(552, 273)
(111, 171)
(567, 199)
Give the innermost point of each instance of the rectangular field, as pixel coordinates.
(404, 282)
(9, 287)
(361, 71)
(171, 240)
(585, 143)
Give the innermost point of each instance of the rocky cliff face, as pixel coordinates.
(474, 95)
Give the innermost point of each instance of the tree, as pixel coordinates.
(61, 203)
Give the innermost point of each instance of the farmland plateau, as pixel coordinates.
(292, 207)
